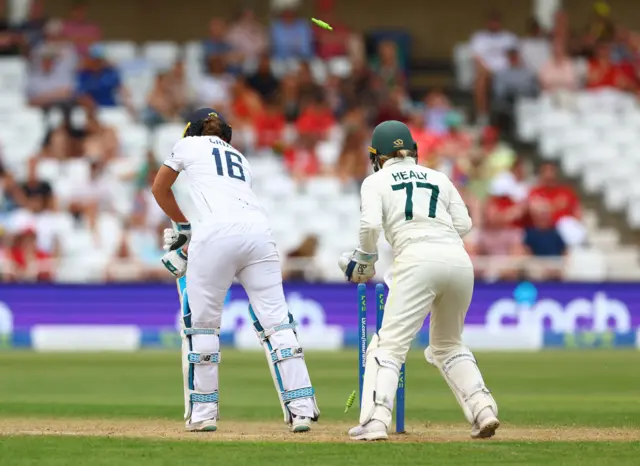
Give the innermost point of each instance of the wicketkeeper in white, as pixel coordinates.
(231, 239)
(424, 219)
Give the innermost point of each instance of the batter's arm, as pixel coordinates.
(370, 216)
(164, 196)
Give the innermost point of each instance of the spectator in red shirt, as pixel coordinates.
(330, 44)
(562, 199)
(82, 32)
(316, 119)
(29, 262)
(602, 72)
(269, 126)
(301, 159)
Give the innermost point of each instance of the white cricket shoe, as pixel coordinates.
(372, 430)
(208, 425)
(486, 424)
(300, 424)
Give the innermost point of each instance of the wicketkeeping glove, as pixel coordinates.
(358, 266)
(176, 238)
(175, 262)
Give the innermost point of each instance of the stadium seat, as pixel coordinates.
(340, 66)
(162, 54)
(324, 187)
(134, 141)
(164, 138)
(585, 264)
(120, 52)
(464, 66)
(13, 76)
(118, 117)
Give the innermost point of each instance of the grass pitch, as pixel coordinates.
(557, 408)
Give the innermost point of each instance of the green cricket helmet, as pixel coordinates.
(388, 137)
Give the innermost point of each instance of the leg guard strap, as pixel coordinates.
(203, 358)
(307, 392)
(280, 354)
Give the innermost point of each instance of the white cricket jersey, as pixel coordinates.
(412, 204)
(219, 181)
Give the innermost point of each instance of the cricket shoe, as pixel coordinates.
(486, 424)
(372, 430)
(208, 425)
(300, 424)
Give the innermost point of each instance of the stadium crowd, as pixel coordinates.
(304, 95)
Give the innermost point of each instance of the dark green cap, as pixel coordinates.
(390, 136)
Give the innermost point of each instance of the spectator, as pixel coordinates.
(140, 249)
(168, 98)
(269, 126)
(248, 37)
(263, 79)
(507, 200)
(100, 81)
(603, 73)
(500, 238)
(33, 27)
(50, 83)
(216, 44)
(542, 239)
(101, 141)
(512, 82)
(246, 105)
(452, 147)
(316, 119)
(600, 28)
(10, 40)
(79, 30)
(387, 65)
(28, 262)
(301, 158)
(214, 90)
(40, 211)
(334, 95)
(437, 108)
(499, 156)
(353, 164)
(67, 57)
(559, 73)
(11, 196)
(291, 37)
(489, 47)
(290, 97)
(335, 43)
(534, 47)
(393, 106)
(307, 87)
(299, 261)
(562, 200)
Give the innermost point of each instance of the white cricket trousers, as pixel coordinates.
(248, 252)
(427, 278)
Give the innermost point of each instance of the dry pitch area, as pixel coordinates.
(322, 432)
(558, 408)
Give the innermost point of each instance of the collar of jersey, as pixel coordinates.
(395, 161)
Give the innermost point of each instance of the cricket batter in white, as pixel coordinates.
(232, 238)
(424, 219)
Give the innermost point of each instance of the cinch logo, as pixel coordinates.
(598, 315)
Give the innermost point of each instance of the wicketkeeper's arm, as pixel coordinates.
(370, 217)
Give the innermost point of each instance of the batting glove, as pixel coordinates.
(178, 237)
(175, 262)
